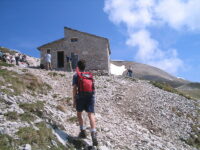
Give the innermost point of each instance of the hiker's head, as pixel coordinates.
(48, 51)
(81, 64)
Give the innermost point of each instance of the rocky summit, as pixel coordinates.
(36, 113)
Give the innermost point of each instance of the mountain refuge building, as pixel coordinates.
(78, 45)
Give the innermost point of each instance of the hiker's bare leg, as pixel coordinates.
(92, 120)
(80, 118)
(50, 66)
(47, 66)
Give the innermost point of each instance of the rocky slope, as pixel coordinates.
(131, 114)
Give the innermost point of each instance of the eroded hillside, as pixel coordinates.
(131, 114)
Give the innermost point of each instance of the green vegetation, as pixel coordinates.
(21, 83)
(54, 74)
(11, 115)
(131, 78)
(169, 88)
(27, 117)
(39, 139)
(194, 85)
(55, 95)
(66, 99)
(2, 100)
(2, 63)
(73, 119)
(35, 108)
(191, 89)
(24, 70)
(194, 139)
(6, 50)
(7, 142)
(194, 93)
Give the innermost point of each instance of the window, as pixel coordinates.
(74, 39)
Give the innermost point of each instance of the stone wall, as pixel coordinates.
(94, 49)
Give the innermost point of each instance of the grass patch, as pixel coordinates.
(11, 115)
(39, 139)
(24, 70)
(66, 99)
(194, 85)
(73, 119)
(54, 74)
(195, 94)
(55, 95)
(194, 139)
(27, 117)
(2, 63)
(169, 88)
(35, 108)
(6, 50)
(21, 83)
(7, 142)
(2, 100)
(131, 78)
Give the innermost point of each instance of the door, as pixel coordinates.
(60, 59)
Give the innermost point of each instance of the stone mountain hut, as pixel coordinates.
(78, 45)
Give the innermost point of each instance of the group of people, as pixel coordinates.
(48, 65)
(21, 59)
(13, 59)
(6, 57)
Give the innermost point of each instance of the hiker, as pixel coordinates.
(20, 57)
(129, 72)
(48, 60)
(69, 64)
(25, 60)
(17, 59)
(12, 59)
(6, 57)
(83, 99)
(1, 55)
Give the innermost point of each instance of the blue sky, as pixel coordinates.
(162, 33)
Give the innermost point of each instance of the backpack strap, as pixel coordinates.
(79, 78)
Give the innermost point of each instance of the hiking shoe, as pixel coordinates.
(94, 138)
(82, 134)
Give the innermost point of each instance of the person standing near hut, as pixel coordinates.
(69, 64)
(48, 60)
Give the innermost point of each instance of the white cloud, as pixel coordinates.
(179, 14)
(138, 15)
(147, 47)
(132, 13)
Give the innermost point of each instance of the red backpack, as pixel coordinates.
(85, 81)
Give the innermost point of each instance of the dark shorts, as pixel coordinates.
(85, 102)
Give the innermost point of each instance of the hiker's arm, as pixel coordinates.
(74, 95)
